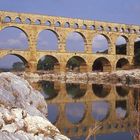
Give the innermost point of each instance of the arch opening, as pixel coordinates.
(122, 64)
(47, 40)
(75, 112)
(102, 65)
(48, 63)
(121, 45)
(13, 62)
(101, 90)
(100, 43)
(75, 91)
(76, 64)
(75, 42)
(7, 19)
(18, 40)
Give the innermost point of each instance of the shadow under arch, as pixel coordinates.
(122, 90)
(101, 90)
(48, 63)
(122, 64)
(19, 66)
(122, 44)
(48, 39)
(75, 91)
(49, 89)
(76, 64)
(101, 64)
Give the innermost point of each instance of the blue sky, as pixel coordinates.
(122, 11)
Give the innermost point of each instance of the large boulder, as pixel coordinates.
(23, 112)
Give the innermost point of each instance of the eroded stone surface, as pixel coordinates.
(23, 112)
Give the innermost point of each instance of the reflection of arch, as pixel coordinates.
(100, 110)
(50, 89)
(48, 62)
(101, 90)
(122, 90)
(75, 90)
(101, 43)
(101, 64)
(76, 63)
(75, 112)
(122, 63)
(121, 109)
(53, 113)
(121, 45)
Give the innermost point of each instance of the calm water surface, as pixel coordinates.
(75, 108)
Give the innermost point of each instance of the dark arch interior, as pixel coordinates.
(49, 89)
(13, 62)
(101, 64)
(122, 90)
(121, 45)
(48, 63)
(76, 64)
(123, 64)
(137, 52)
(121, 109)
(101, 90)
(76, 90)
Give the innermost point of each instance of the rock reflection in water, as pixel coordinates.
(75, 108)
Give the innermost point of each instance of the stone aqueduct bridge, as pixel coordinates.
(62, 27)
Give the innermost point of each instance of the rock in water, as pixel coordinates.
(23, 112)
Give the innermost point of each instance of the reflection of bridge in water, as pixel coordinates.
(116, 98)
(32, 25)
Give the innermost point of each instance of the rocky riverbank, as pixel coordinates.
(122, 76)
(23, 112)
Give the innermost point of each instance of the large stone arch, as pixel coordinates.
(14, 26)
(106, 41)
(19, 40)
(77, 64)
(51, 63)
(48, 39)
(75, 39)
(122, 63)
(22, 58)
(101, 64)
(122, 42)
